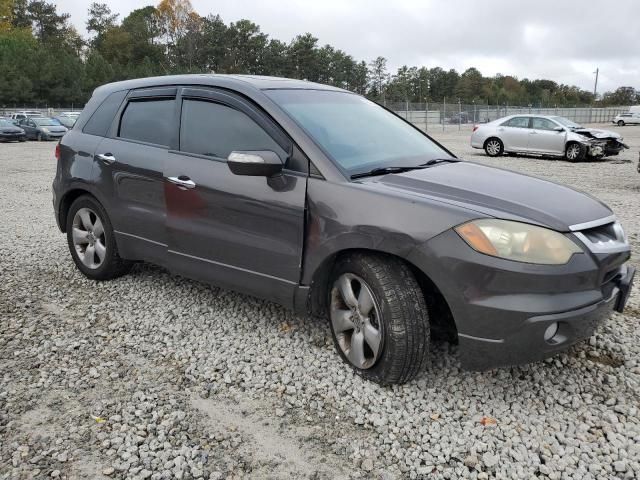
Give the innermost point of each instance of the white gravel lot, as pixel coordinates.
(156, 376)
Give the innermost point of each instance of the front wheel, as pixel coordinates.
(575, 152)
(494, 147)
(379, 318)
(621, 123)
(92, 242)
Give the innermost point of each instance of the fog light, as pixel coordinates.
(551, 331)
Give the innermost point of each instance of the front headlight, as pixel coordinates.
(45, 130)
(517, 241)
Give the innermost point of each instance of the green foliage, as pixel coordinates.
(44, 60)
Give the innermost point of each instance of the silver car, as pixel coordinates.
(545, 135)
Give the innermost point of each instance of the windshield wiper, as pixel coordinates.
(437, 161)
(384, 170)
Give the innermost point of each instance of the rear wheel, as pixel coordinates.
(493, 147)
(379, 318)
(621, 123)
(575, 152)
(91, 241)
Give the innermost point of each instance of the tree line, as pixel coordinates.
(45, 60)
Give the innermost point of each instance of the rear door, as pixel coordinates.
(240, 232)
(514, 133)
(544, 139)
(128, 167)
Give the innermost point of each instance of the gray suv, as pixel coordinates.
(322, 201)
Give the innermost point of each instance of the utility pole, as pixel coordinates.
(595, 87)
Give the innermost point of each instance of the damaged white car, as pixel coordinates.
(545, 135)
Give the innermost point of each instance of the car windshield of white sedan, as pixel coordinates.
(46, 122)
(566, 122)
(356, 133)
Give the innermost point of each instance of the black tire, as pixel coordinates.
(493, 147)
(575, 152)
(112, 266)
(22, 139)
(403, 322)
(621, 123)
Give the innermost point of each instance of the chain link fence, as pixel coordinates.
(446, 115)
(46, 111)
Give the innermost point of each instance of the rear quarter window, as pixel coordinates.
(148, 121)
(101, 119)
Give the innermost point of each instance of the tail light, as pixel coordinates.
(475, 127)
(58, 151)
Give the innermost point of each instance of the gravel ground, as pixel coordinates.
(155, 376)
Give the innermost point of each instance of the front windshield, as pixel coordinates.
(46, 122)
(566, 122)
(356, 134)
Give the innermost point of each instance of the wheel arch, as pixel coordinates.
(67, 200)
(442, 321)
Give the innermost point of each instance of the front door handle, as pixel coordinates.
(182, 181)
(106, 158)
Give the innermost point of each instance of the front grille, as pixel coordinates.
(605, 238)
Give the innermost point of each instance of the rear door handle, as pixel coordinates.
(106, 158)
(182, 181)
(533, 133)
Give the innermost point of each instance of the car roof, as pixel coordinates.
(242, 82)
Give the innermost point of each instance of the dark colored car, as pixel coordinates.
(43, 128)
(316, 198)
(9, 132)
(66, 120)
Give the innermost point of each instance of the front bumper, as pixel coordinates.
(11, 136)
(502, 309)
(529, 345)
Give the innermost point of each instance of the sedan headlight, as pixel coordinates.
(45, 130)
(517, 241)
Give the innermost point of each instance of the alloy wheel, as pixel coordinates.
(493, 147)
(573, 151)
(356, 321)
(88, 238)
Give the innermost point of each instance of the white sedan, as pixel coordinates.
(545, 135)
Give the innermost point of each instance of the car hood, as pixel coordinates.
(498, 193)
(597, 133)
(11, 130)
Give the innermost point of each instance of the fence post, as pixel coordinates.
(459, 115)
(444, 110)
(426, 117)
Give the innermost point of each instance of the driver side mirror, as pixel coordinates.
(258, 163)
(559, 129)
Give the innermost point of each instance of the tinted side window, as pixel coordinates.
(518, 122)
(101, 119)
(543, 124)
(216, 130)
(148, 121)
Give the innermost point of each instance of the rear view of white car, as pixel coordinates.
(545, 135)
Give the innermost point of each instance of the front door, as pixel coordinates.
(543, 137)
(239, 232)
